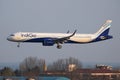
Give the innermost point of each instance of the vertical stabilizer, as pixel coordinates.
(104, 30)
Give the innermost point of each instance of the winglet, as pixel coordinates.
(68, 31)
(73, 33)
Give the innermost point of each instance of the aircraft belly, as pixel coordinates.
(81, 40)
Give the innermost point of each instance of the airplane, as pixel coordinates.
(49, 39)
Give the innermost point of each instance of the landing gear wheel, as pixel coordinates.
(18, 45)
(59, 46)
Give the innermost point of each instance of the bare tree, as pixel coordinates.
(31, 64)
(62, 64)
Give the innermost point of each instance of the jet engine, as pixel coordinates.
(48, 42)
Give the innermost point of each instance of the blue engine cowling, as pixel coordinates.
(48, 42)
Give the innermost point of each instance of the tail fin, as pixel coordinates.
(104, 30)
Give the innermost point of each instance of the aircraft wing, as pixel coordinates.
(62, 40)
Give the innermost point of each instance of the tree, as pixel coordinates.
(62, 64)
(32, 64)
(6, 71)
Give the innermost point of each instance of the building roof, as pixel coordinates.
(97, 71)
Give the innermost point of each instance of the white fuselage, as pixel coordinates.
(49, 39)
(24, 36)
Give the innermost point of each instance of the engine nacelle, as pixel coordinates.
(48, 42)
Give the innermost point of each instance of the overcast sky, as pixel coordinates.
(86, 16)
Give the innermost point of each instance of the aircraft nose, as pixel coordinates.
(9, 38)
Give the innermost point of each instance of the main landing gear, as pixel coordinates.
(59, 46)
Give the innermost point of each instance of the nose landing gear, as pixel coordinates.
(18, 45)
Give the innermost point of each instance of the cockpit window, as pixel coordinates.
(12, 35)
